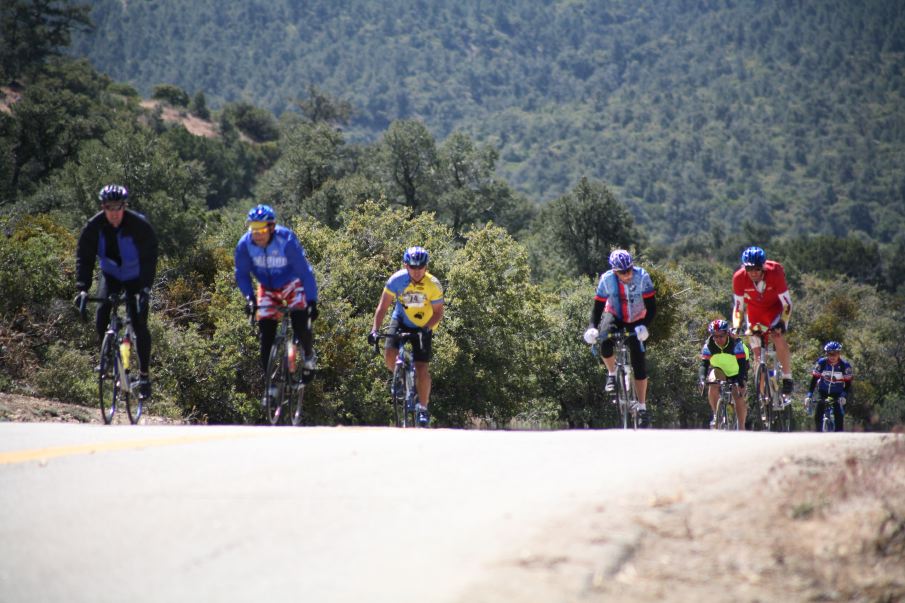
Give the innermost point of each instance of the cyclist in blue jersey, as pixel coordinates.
(625, 299)
(832, 376)
(273, 255)
(125, 245)
(418, 298)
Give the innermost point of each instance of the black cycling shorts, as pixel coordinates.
(421, 352)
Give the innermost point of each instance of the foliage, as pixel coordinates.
(174, 95)
(33, 30)
(698, 114)
(585, 225)
(257, 123)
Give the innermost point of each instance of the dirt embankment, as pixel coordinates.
(27, 409)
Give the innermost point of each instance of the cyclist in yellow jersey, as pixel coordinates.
(724, 357)
(418, 298)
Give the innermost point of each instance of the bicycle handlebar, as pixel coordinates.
(401, 337)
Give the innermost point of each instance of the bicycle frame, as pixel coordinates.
(625, 395)
(775, 407)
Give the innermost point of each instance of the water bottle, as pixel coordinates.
(124, 348)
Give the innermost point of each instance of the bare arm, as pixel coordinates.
(385, 300)
(436, 317)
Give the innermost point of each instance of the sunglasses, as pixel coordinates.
(258, 227)
(721, 334)
(113, 206)
(624, 272)
(753, 269)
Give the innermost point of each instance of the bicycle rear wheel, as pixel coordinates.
(108, 378)
(399, 395)
(275, 381)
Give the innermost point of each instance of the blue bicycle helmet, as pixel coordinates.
(261, 213)
(113, 192)
(718, 326)
(832, 346)
(754, 256)
(415, 257)
(620, 259)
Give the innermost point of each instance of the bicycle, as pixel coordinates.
(625, 395)
(116, 381)
(726, 418)
(828, 422)
(284, 388)
(775, 407)
(402, 387)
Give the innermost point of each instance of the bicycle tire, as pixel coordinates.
(399, 393)
(276, 378)
(296, 407)
(829, 417)
(134, 402)
(411, 393)
(623, 397)
(108, 378)
(758, 411)
(722, 414)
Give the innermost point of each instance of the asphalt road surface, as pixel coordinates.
(176, 513)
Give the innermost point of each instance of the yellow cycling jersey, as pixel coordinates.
(414, 301)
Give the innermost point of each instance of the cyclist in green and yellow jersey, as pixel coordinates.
(724, 357)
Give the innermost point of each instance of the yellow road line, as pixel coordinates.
(40, 454)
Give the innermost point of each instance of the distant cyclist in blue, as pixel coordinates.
(419, 306)
(832, 375)
(625, 299)
(273, 255)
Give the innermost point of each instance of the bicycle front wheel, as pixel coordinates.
(399, 394)
(722, 415)
(108, 378)
(624, 398)
(134, 402)
(276, 381)
(763, 396)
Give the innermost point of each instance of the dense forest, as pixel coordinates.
(700, 115)
(359, 185)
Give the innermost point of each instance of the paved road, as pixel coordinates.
(161, 513)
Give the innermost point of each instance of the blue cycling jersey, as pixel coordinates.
(274, 266)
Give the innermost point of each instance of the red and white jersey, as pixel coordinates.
(767, 302)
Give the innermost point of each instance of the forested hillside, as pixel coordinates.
(518, 271)
(699, 115)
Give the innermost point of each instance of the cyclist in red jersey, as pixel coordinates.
(761, 294)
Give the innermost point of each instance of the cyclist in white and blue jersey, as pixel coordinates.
(625, 299)
(832, 376)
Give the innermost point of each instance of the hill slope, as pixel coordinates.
(698, 113)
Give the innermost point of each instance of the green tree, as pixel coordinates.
(585, 225)
(310, 155)
(171, 94)
(320, 107)
(33, 30)
(407, 160)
